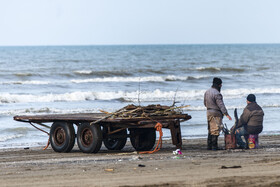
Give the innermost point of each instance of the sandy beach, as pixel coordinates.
(195, 167)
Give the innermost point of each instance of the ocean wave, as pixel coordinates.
(47, 110)
(121, 79)
(4, 138)
(202, 108)
(263, 68)
(68, 60)
(102, 73)
(28, 82)
(23, 98)
(110, 79)
(24, 74)
(215, 69)
(18, 130)
(271, 106)
(133, 96)
(83, 72)
(211, 69)
(155, 71)
(241, 92)
(156, 95)
(140, 79)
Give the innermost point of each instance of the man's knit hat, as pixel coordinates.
(251, 98)
(217, 81)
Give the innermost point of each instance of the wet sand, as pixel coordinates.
(195, 167)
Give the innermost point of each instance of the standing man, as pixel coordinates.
(250, 122)
(213, 101)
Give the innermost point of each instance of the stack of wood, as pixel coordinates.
(133, 111)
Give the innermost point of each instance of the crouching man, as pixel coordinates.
(250, 122)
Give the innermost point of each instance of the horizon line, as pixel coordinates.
(65, 45)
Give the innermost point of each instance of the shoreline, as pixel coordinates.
(195, 167)
(167, 139)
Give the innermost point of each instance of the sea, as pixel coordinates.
(81, 79)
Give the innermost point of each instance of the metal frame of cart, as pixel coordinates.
(95, 128)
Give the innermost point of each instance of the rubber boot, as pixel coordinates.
(214, 143)
(247, 141)
(209, 142)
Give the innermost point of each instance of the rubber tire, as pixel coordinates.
(115, 143)
(147, 138)
(66, 144)
(95, 142)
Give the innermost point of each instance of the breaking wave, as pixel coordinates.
(23, 98)
(241, 92)
(24, 74)
(10, 137)
(217, 69)
(133, 96)
(109, 79)
(13, 133)
(47, 110)
(102, 73)
(18, 130)
(27, 82)
(211, 69)
(139, 79)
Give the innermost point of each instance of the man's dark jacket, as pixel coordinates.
(252, 118)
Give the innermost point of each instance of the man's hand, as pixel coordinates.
(228, 116)
(232, 128)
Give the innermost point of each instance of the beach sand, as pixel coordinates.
(195, 167)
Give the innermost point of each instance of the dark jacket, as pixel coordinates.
(252, 118)
(213, 101)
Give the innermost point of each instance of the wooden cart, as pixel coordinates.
(93, 128)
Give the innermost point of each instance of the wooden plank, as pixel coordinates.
(175, 130)
(79, 117)
(60, 117)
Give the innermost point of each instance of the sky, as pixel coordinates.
(117, 22)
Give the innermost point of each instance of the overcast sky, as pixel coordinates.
(95, 22)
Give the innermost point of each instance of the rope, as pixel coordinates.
(39, 129)
(44, 132)
(158, 128)
(47, 145)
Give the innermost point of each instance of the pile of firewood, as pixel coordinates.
(133, 111)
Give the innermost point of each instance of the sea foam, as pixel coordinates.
(130, 96)
(139, 79)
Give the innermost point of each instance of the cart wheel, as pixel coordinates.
(115, 141)
(89, 138)
(62, 136)
(143, 139)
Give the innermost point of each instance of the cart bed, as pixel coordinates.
(91, 117)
